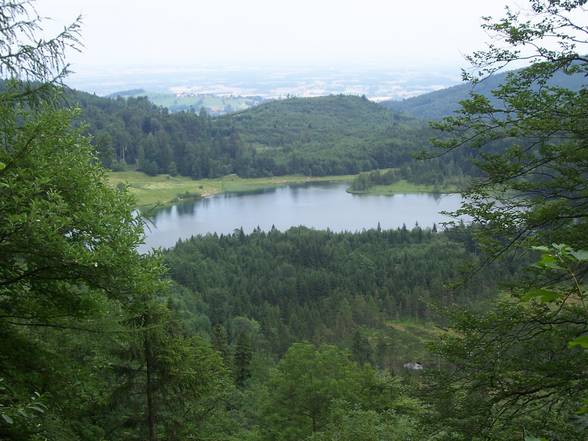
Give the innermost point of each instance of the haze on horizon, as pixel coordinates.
(269, 33)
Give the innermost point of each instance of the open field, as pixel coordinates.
(166, 189)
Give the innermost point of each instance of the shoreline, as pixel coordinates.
(403, 187)
(164, 190)
(161, 191)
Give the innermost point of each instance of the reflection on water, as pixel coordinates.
(240, 194)
(319, 206)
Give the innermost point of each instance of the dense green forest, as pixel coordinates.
(310, 136)
(469, 333)
(322, 286)
(332, 135)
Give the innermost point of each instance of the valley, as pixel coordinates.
(293, 233)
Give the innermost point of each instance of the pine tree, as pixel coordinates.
(242, 359)
(220, 342)
(361, 348)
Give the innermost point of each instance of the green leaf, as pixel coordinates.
(581, 255)
(543, 295)
(581, 341)
(549, 261)
(2, 166)
(7, 419)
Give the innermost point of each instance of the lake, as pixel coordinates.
(319, 206)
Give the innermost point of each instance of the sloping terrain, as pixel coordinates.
(444, 102)
(331, 135)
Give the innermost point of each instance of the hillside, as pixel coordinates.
(296, 121)
(328, 135)
(444, 102)
(332, 135)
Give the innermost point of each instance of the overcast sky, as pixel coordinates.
(274, 32)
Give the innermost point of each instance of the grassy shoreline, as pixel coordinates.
(403, 186)
(165, 190)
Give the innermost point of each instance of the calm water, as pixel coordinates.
(319, 206)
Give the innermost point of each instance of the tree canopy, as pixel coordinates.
(519, 370)
(82, 313)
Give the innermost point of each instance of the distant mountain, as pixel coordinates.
(191, 102)
(444, 102)
(128, 93)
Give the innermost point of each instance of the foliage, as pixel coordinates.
(18, 418)
(332, 135)
(321, 286)
(36, 63)
(96, 344)
(312, 387)
(532, 145)
(328, 135)
(169, 384)
(356, 424)
(518, 371)
(74, 291)
(414, 177)
(364, 181)
(520, 366)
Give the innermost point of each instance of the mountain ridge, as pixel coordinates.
(444, 102)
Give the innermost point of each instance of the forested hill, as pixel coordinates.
(328, 135)
(441, 103)
(310, 136)
(297, 121)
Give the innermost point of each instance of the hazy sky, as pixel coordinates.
(274, 32)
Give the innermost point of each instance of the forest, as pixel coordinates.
(307, 285)
(457, 332)
(331, 135)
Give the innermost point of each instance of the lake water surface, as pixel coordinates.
(319, 206)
